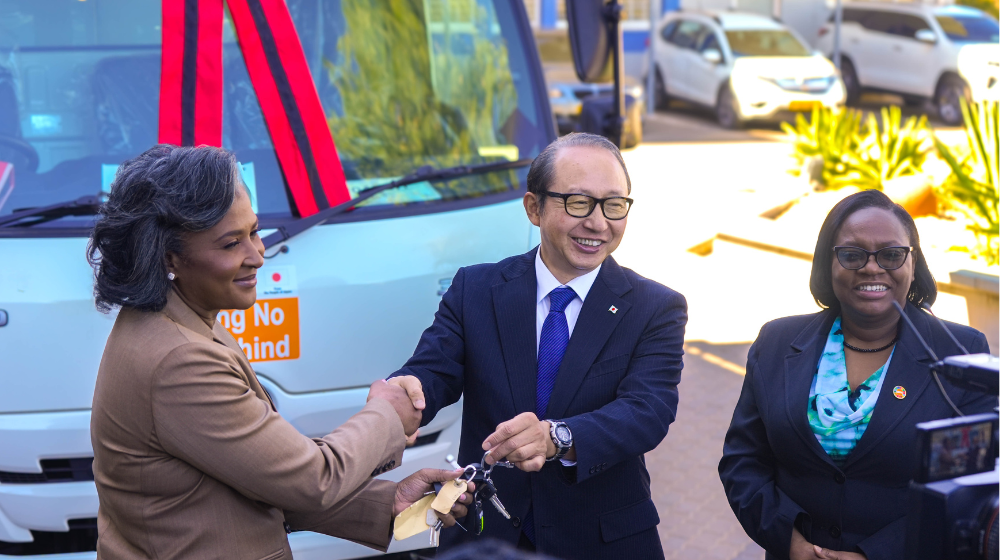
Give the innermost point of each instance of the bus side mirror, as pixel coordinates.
(588, 39)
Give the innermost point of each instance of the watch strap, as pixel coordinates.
(561, 448)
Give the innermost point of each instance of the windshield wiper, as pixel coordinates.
(426, 173)
(83, 206)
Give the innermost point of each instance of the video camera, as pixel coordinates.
(954, 497)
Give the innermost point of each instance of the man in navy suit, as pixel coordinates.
(569, 366)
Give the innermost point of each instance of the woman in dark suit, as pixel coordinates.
(820, 451)
(191, 458)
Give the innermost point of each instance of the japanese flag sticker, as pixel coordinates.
(613, 309)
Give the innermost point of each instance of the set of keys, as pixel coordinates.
(481, 476)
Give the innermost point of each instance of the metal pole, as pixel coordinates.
(838, 18)
(618, 126)
(651, 69)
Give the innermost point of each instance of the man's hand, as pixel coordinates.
(400, 401)
(415, 390)
(523, 440)
(801, 549)
(412, 488)
(828, 554)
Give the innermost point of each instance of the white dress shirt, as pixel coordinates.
(546, 283)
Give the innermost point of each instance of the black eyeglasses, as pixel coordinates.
(581, 205)
(855, 258)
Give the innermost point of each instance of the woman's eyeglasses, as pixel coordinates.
(855, 258)
(581, 205)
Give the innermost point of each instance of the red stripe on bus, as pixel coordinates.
(208, 91)
(282, 137)
(293, 60)
(171, 71)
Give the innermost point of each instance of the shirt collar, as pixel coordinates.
(547, 282)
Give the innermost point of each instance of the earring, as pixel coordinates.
(171, 276)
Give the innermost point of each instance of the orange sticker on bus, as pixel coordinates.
(267, 331)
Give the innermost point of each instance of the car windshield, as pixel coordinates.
(969, 29)
(403, 85)
(759, 42)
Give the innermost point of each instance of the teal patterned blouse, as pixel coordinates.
(838, 417)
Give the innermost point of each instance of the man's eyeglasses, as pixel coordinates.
(581, 205)
(855, 258)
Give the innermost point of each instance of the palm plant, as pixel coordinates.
(972, 186)
(827, 137)
(896, 149)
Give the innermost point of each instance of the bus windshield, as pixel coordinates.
(403, 85)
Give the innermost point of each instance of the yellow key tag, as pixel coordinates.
(449, 494)
(413, 520)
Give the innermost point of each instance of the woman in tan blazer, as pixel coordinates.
(191, 460)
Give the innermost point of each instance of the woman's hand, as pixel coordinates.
(412, 488)
(400, 400)
(828, 554)
(415, 390)
(801, 549)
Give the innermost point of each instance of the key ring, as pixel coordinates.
(470, 472)
(488, 470)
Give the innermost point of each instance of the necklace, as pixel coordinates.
(871, 350)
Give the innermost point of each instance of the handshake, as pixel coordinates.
(406, 395)
(523, 440)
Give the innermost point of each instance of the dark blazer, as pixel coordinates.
(775, 471)
(616, 389)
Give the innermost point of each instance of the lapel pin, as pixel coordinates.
(899, 392)
(613, 309)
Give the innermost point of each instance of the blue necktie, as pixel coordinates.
(551, 347)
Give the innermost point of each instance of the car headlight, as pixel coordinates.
(808, 85)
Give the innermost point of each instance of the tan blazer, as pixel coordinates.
(191, 459)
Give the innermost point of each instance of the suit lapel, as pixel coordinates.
(908, 368)
(593, 328)
(514, 307)
(800, 369)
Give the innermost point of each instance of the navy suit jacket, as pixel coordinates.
(774, 470)
(616, 390)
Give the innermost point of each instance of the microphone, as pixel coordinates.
(972, 372)
(913, 328)
(934, 373)
(927, 307)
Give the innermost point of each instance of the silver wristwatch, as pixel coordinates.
(562, 438)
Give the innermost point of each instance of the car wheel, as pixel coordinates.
(725, 110)
(661, 100)
(948, 98)
(852, 86)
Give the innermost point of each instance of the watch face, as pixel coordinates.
(563, 434)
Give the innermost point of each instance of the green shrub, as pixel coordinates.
(972, 185)
(825, 138)
(858, 152)
(900, 148)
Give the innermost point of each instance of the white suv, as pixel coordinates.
(746, 66)
(942, 53)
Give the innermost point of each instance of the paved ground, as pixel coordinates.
(695, 519)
